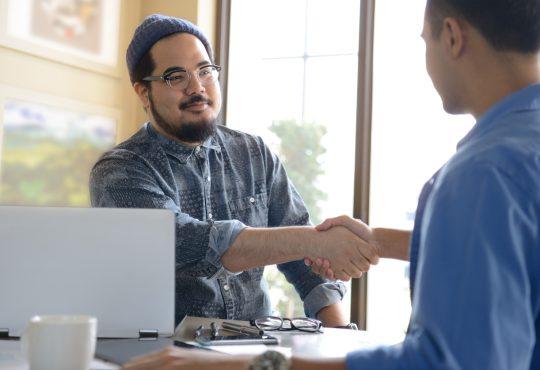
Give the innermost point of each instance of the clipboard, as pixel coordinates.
(243, 335)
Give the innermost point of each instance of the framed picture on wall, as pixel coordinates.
(48, 146)
(83, 33)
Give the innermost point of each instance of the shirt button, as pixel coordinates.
(226, 287)
(210, 215)
(208, 179)
(252, 200)
(197, 149)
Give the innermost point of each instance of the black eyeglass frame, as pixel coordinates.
(315, 329)
(165, 76)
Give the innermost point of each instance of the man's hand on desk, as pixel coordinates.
(182, 359)
(188, 359)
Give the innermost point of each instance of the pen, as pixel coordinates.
(215, 330)
(199, 331)
(241, 329)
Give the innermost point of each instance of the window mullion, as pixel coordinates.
(363, 146)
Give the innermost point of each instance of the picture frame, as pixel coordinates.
(48, 145)
(80, 33)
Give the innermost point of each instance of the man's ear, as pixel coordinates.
(453, 36)
(142, 92)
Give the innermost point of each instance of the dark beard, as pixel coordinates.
(186, 131)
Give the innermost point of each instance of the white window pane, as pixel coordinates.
(278, 26)
(411, 138)
(294, 90)
(332, 27)
(281, 94)
(262, 92)
(331, 101)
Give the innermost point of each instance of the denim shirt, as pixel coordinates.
(475, 252)
(215, 190)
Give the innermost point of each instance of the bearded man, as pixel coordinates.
(225, 187)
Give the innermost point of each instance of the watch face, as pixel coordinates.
(270, 360)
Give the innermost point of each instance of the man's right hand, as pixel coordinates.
(340, 253)
(356, 226)
(325, 267)
(389, 243)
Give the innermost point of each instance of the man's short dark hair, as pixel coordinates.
(508, 25)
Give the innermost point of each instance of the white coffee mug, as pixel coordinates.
(60, 342)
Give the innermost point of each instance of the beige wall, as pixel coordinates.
(201, 12)
(23, 69)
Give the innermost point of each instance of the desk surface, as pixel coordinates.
(11, 358)
(332, 343)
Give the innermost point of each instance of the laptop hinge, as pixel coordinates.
(148, 334)
(4, 333)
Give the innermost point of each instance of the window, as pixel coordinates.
(412, 137)
(292, 80)
(307, 75)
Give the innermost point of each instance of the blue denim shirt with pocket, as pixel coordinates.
(216, 189)
(475, 252)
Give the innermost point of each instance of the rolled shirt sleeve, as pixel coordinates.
(123, 179)
(222, 236)
(323, 295)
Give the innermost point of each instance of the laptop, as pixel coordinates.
(117, 264)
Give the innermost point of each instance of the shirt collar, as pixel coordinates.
(524, 99)
(180, 150)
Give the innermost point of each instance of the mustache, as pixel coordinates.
(193, 100)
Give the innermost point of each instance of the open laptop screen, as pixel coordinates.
(115, 264)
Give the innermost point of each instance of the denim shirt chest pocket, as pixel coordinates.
(252, 210)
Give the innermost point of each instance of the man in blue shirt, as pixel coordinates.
(475, 247)
(230, 194)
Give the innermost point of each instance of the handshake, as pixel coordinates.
(339, 248)
(346, 249)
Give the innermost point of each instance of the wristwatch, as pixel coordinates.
(270, 360)
(351, 326)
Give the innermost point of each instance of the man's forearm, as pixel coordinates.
(255, 247)
(260, 247)
(392, 243)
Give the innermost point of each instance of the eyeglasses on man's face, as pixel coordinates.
(270, 323)
(179, 78)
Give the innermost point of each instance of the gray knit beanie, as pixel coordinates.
(152, 29)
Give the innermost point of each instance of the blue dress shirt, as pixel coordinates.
(215, 190)
(475, 252)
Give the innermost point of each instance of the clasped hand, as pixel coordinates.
(347, 251)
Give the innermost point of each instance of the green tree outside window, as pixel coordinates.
(299, 150)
